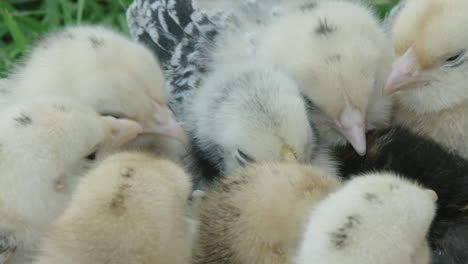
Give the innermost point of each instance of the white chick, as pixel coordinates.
(375, 218)
(249, 112)
(430, 72)
(340, 55)
(99, 67)
(128, 210)
(46, 144)
(256, 214)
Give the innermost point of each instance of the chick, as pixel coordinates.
(420, 159)
(99, 67)
(340, 55)
(256, 214)
(376, 218)
(46, 144)
(249, 112)
(128, 210)
(430, 71)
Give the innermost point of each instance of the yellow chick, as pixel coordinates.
(131, 209)
(256, 214)
(99, 67)
(46, 145)
(430, 72)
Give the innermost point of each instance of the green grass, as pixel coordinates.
(22, 21)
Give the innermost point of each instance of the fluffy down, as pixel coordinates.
(429, 76)
(101, 68)
(376, 218)
(248, 112)
(420, 159)
(256, 214)
(341, 57)
(128, 210)
(45, 147)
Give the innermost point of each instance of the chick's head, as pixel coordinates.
(66, 135)
(430, 46)
(258, 115)
(101, 68)
(340, 55)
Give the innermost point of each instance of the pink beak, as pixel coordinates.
(164, 124)
(405, 74)
(352, 126)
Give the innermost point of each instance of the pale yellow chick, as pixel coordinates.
(256, 214)
(102, 68)
(131, 209)
(431, 73)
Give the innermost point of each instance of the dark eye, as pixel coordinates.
(454, 60)
(114, 115)
(92, 156)
(243, 158)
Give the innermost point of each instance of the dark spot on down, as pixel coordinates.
(117, 204)
(340, 236)
(96, 42)
(308, 6)
(60, 108)
(372, 197)
(335, 58)
(127, 172)
(69, 35)
(23, 119)
(324, 28)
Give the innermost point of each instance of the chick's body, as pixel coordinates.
(256, 214)
(46, 145)
(375, 218)
(128, 210)
(99, 67)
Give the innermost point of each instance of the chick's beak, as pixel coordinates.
(433, 194)
(122, 132)
(287, 154)
(352, 125)
(164, 124)
(406, 74)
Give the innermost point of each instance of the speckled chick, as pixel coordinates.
(375, 218)
(104, 69)
(131, 209)
(46, 145)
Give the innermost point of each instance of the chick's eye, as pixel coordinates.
(243, 158)
(92, 156)
(454, 60)
(114, 116)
